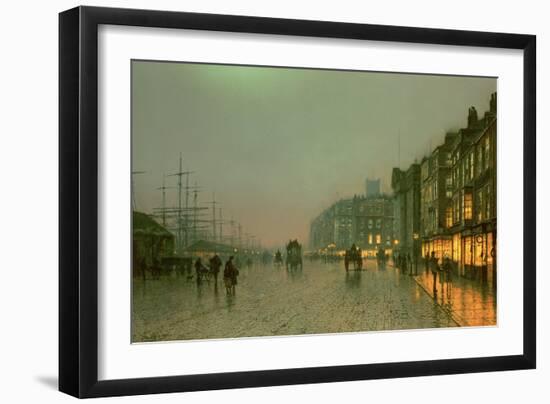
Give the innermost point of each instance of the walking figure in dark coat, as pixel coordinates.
(230, 274)
(434, 266)
(215, 265)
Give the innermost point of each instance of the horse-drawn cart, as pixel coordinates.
(293, 256)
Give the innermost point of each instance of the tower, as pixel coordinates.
(372, 187)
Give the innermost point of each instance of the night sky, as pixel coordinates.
(279, 145)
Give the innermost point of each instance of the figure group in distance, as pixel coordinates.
(230, 273)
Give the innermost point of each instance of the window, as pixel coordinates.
(378, 223)
(479, 166)
(467, 206)
(378, 239)
(456, 209)
(370, 238)
(449, 186)
(486, 152)
(449, 217)
(471, 166)
(480, 207)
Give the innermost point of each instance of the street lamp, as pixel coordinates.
(415, 252)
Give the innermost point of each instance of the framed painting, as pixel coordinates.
(250, 201)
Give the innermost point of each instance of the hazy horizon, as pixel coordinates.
(279, 145)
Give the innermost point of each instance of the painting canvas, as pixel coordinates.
(273, 201)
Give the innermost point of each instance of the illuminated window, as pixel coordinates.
(467, 206)
(456, 247)
(378, 239)
(370, 238)
(449, 217)
(457, 209)
(480, 207)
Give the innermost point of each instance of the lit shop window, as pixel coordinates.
(467, 206)
(456, 248)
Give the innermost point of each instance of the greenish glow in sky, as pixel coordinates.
(279, 145)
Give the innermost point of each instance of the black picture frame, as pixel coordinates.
(78, 201)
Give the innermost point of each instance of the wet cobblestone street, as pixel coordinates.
(468, 302)
(323, 298)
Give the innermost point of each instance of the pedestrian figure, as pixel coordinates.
(278, 258)
(215, 265)
(434, 266)
(426, 263)
(199, 269)
(346, 260)
(230, 274)
(446, 269)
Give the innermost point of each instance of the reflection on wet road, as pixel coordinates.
(470, 303)
(323, 298)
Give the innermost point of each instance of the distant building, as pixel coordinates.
(372, 188)
(364, 221)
